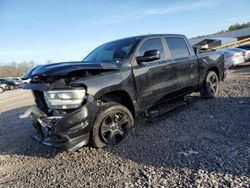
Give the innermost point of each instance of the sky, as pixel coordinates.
(62, 30)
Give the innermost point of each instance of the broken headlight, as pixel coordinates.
(64, 98)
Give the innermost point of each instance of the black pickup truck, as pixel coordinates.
(96, 100)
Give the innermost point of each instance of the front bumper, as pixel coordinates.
(69, 132)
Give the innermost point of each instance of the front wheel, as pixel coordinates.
(1, 90)
(210, 85)
(112, 125)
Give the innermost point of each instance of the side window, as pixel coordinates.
(152, 44)
(177, 47)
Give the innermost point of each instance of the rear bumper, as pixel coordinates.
(69, 132)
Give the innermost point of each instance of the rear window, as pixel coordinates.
(177, 47)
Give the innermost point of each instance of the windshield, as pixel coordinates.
(15, 79)
(113, 51)
(11, 79)
(237, 49)
(3, 81)
(228, 51)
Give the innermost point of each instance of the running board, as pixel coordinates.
(172, 106)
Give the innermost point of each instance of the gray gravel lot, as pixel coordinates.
(206, 144)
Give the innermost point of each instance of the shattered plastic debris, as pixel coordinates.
(190, 152)
(241, 102)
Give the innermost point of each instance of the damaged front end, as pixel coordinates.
(61, 121)
(64, 113)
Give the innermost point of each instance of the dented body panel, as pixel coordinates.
(67, 68)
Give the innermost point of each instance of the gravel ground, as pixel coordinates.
(206, 144)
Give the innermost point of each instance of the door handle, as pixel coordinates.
(166, 67)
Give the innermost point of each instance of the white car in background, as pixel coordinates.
(26, 81)
(245, 51)
(232, 57)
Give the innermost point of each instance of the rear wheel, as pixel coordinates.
(210, 85)
(12, 87)
(1, 90)
(112, 125)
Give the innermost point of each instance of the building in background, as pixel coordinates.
(216, 40)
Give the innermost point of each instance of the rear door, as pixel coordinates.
(153, 78)
(185, 62)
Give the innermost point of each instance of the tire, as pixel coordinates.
(112, 124)
(210, 85)
(12, 87)
(1, 90)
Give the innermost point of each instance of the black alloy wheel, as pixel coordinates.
(213, 83)
(114, 127)
(210, 86)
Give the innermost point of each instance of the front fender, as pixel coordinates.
(100, 84)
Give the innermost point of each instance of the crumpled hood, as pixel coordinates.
(64, 68)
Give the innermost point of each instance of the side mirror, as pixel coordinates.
(150, 55)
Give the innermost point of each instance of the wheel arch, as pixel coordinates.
(119, 96)
(215, 69)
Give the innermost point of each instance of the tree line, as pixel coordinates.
(15, 69)
(238, 26)
(233, 27)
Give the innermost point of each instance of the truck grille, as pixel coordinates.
(40, 101)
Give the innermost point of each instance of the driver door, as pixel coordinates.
(153, 79)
